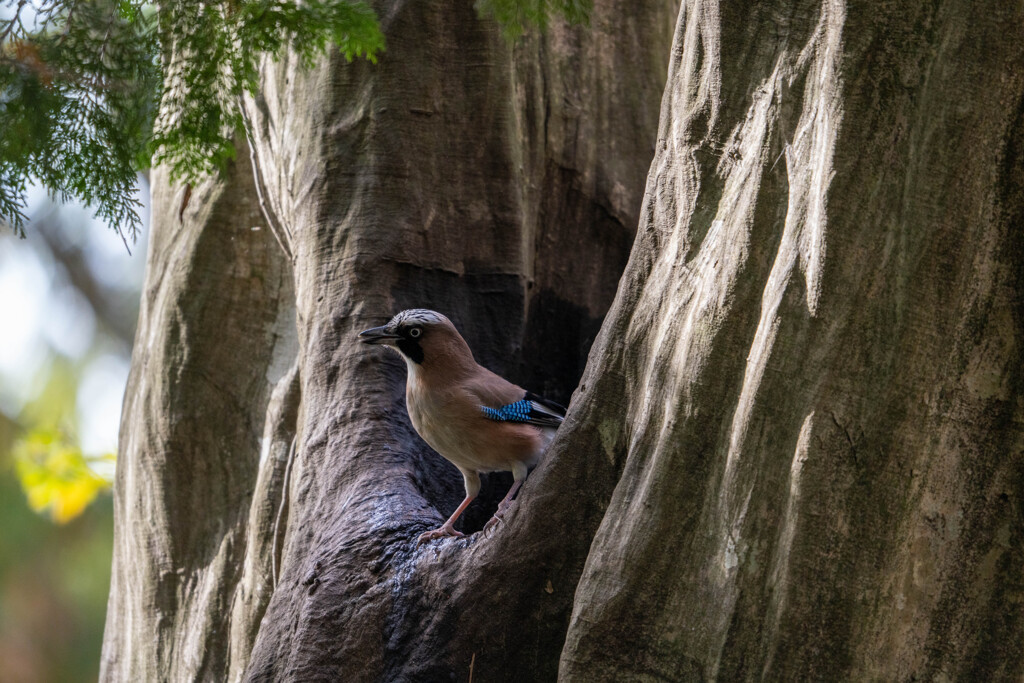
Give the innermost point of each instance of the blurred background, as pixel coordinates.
(69, 295)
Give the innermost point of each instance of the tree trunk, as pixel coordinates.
(498, 184)
(819, 335)
(796, 450)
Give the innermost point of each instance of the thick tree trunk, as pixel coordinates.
(819, 334)
(216, 334)
(499, 185)
(796, 450)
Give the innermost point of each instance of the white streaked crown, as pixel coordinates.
(417, 316)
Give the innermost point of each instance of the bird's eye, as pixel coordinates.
(415, 332)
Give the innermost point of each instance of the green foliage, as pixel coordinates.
(516, 15)
(92, 91)
(214, 57)
(75, 108)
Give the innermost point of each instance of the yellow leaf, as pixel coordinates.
(56, 476)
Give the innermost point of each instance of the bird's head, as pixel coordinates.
(419, 334)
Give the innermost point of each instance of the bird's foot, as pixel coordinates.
(441, 532)
(499, 516)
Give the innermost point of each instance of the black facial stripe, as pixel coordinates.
(412, 349)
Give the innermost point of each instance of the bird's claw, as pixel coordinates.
(493, 522)
(499, 516)
(441, 532)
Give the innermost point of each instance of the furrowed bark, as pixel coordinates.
(214, 336)
(820, 328)
(460, 173)
(795, 451)
(502, 190)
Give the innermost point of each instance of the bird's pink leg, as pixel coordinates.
(499, 514)
(472, 480)
(448, 528)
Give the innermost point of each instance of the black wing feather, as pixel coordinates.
(557, 408)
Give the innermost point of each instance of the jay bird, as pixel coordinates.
(475, 419)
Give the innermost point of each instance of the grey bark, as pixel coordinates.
(502, 189)
(215, 336)
(819, 336)
(795, 451)
(460, 173)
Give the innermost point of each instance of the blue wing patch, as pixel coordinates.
(513, 412)
(524, 411)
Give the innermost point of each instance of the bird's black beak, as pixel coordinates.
(377, 335)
